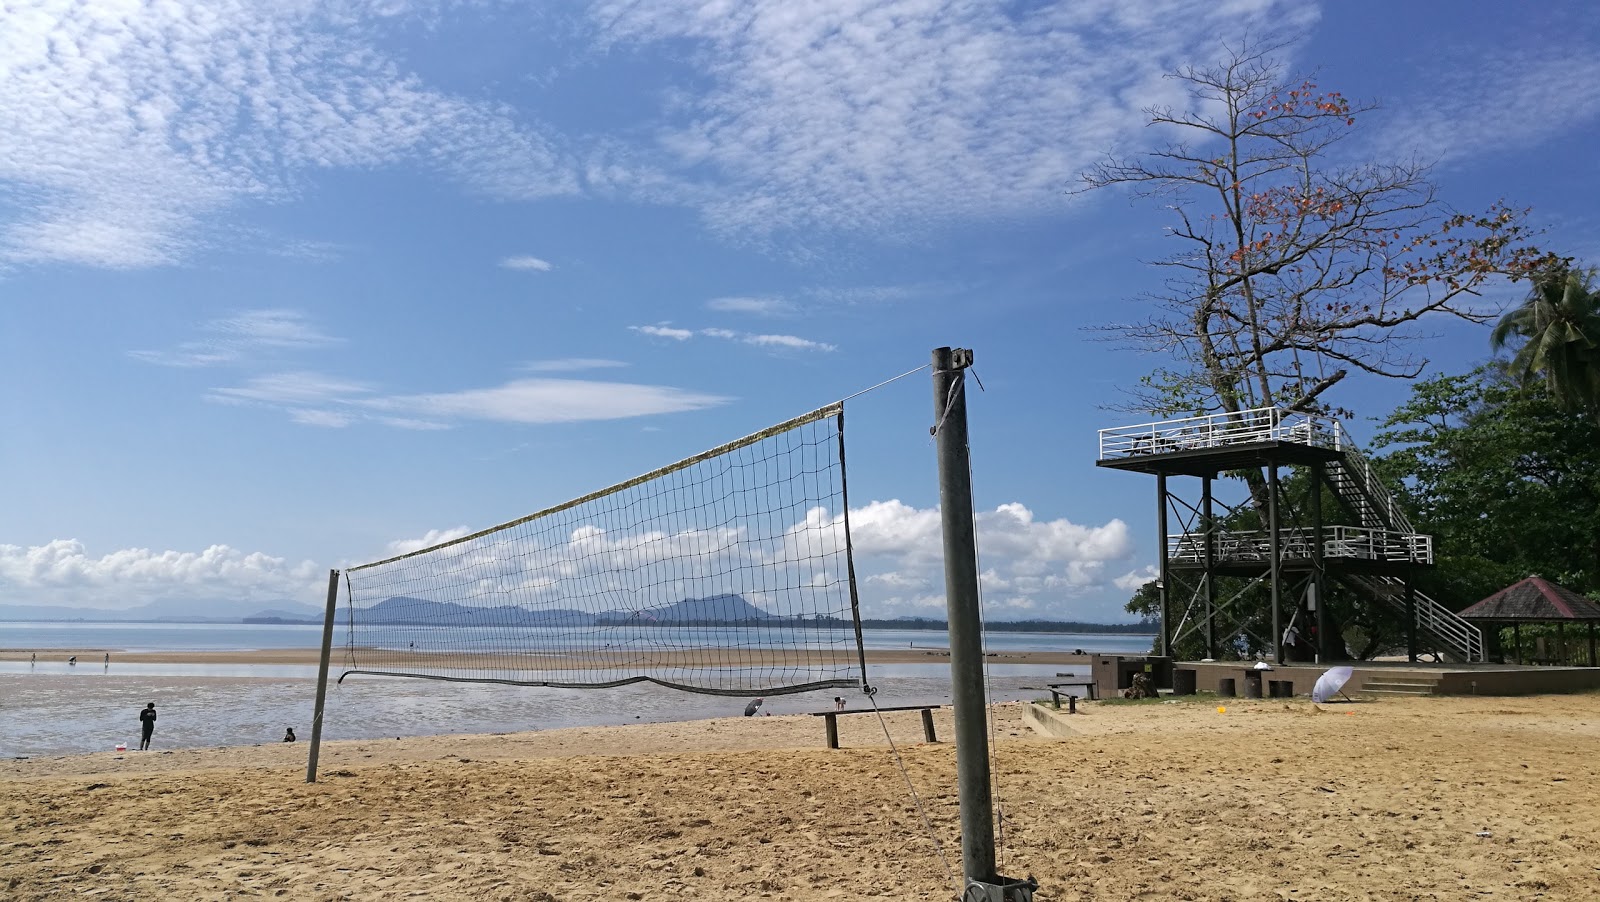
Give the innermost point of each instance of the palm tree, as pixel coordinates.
(1559, 328)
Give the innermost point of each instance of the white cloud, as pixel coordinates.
(63, 572)
(125, 126)
(757, 306)
(326, 418)
(885, 116)
(868, 294)
(571, 364)
(664, 332)
(1031, 568)
(294, 388)
(431, 538)
(1497, 102)
(1133, 580)
(527, 264)
(786, 342)
(314, 399)
(243, 336)
(551, 401)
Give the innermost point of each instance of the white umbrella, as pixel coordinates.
(1330, 683)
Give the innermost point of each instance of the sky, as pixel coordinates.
(286, 286)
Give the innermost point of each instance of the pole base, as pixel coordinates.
(1007, 890)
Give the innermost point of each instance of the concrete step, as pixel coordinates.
(1374, 687)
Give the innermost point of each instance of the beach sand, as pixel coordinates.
(1427, 798)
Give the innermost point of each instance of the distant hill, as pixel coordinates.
(726, 608)
(401, 610)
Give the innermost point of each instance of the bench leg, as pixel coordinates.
(927, 725)
(1092, 694)
(1055, 699)
(832, 722)
(1072, 704)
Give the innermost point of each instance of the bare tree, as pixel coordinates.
(1297, 269)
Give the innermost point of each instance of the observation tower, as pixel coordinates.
(1279, 543)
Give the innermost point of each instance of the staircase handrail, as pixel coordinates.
(1461, 635)
(1368, 482)
(1447, 624)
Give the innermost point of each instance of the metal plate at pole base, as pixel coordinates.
(1007, 890)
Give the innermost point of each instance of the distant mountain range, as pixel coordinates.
(728, 609)
(717, 609)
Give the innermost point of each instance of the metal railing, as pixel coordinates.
(1433, 619)
(1218, 430)
(1359, 542)
(1365, 480)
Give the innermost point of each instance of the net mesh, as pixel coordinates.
(729, 573)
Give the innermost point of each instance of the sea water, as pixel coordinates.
(50, 708)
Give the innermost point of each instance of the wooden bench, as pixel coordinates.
(831, 720)
(1072, 700)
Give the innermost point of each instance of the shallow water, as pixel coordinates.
(93, 709)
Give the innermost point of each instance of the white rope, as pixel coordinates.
(927, 825)
(885, 382)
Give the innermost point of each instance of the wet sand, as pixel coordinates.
(1436, 799)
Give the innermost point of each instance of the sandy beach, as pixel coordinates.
(1428, 798)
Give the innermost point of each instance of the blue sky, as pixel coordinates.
(287, 285)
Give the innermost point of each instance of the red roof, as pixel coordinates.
(1535, 599)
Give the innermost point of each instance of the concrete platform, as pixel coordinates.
(1376, 678)
(1046, 722)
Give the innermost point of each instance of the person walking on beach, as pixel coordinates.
(147, 726)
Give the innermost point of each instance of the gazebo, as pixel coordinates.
(1534, 600)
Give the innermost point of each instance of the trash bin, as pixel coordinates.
(1183, 682)
(1252, 684)
(1225, 687)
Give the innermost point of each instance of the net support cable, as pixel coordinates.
(729, 573)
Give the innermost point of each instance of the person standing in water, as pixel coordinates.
(147, 726)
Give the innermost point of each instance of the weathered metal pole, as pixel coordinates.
(961, 599)
(1207, 531)
(1161, 550)
(322, 674)
(1275, 548)
(1411, 620)
(1319, 590)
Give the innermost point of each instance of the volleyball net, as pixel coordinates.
(728, 573)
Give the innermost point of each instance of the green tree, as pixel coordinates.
(1296, 266)
(1557, 331)
(1504, 477)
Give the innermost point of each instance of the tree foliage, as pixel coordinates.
(1505, 478)
(1556, 331)
(1297, 267)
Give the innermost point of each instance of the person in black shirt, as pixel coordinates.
(147, 726)
(288, 734)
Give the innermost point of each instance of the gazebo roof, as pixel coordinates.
(1535, 599)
